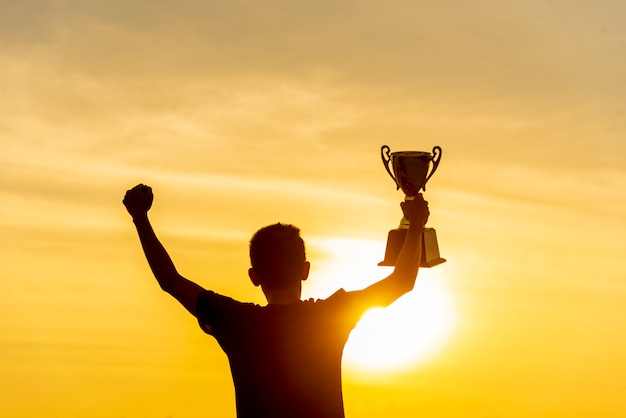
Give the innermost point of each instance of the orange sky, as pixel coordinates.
(248, 113)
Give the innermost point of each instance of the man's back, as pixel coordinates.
(285, 359)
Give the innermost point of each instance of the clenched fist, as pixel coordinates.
(138, 200)
(416, 210)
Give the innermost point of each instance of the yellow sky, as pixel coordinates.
(241, 114)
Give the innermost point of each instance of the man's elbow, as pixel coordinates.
(167, 283)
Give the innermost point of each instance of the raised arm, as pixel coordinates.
(402, 279)
(138, 202)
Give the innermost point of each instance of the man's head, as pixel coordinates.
(278, 257)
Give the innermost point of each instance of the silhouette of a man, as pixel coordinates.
(285, 357)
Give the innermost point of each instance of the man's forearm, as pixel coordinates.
(160, 262)
(402, 279)
(408, 261)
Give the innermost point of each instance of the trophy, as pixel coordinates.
(411, 174)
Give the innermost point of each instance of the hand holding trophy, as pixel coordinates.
(411, 174)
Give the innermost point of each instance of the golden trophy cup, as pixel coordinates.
(410, 173)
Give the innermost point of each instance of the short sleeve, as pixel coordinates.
(212, 309)
(347, 306)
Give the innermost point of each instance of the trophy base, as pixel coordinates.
(430, 248)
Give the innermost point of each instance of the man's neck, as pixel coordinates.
(283, 296)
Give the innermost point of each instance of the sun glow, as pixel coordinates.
(399, 336)
(403, 334)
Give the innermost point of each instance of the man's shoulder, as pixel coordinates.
(214, 310)
(342, 296)
(218, 300)
(352, 303)
(342, 301)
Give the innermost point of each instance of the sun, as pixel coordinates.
(404, 334)
(400, 336)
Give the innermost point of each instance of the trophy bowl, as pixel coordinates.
(411, 168)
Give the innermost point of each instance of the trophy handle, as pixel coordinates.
(385, 151)
(436, 159)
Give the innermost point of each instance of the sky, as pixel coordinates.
(241, 114)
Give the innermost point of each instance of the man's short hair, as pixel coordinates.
(277, 255)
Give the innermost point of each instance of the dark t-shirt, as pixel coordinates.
(285, 359)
